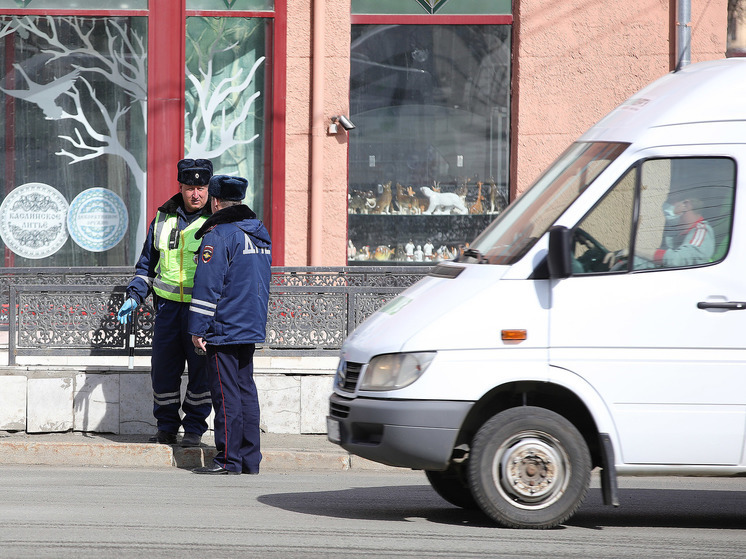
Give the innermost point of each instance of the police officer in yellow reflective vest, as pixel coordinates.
(166, 266)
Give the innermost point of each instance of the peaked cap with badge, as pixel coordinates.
(194, 172)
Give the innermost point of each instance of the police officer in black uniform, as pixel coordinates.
(166, 266)
(228, 316)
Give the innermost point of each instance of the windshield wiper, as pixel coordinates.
(474, 253)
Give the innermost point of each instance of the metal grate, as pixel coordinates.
(73, 311)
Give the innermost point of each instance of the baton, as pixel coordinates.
(131, 340)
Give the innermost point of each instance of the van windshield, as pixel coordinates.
(512, 234)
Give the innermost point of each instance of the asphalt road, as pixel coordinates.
(111, 512)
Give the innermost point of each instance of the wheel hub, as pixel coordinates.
(530, 469)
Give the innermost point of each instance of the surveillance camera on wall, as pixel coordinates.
(346, 122)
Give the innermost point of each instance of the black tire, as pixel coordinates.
(529, 468)
(452, 485)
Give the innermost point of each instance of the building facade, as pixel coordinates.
(349, 118)
(352, 119)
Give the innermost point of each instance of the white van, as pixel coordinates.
(545, 350)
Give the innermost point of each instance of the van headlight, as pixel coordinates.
(395, 370)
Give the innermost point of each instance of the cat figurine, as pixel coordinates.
(383, 203)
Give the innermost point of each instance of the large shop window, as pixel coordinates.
(73, 135)
(226, 99)
(429, 158)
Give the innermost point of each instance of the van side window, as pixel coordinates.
(686, 209)
(605, 231)
(684, 218)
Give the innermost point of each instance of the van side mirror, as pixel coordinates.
(559, 259)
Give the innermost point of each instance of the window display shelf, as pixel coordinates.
(378, 238)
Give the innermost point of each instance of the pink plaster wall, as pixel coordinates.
(574, 60)
(577, 59)
(300, 129)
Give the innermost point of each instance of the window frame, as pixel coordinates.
(166, 103)
(636, 209)
(434, 20)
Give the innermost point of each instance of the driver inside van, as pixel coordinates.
(688, 239)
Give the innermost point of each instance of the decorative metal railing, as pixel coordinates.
(72, 311)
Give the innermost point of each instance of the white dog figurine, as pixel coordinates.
(443, 202)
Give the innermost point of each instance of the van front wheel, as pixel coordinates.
(529, 468)
(452, 486)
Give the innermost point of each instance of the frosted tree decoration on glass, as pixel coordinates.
(223, 98)
(119, 56)
(210, 139)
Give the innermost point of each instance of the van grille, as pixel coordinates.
(348, 381)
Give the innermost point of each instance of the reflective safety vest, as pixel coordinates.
(177, 263)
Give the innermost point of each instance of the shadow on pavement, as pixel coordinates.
(639, 507)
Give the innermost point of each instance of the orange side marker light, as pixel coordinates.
(513, 335)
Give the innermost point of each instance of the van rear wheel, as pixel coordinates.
(529, 468)
(452, 485)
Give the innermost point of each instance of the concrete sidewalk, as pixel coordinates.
(280, 452)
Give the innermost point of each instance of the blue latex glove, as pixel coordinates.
(126, 310)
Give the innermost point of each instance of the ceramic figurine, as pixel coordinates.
(443, 202)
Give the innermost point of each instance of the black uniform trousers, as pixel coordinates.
(230, 369)
(172, 347)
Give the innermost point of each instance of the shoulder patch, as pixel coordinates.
(207, 254)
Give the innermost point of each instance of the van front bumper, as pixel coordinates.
(413, 434)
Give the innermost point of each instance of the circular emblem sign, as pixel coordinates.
(32, 220)
(97, 219)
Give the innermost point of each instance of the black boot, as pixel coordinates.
(161, 437)
(190, 439)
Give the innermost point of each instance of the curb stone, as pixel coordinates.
(280, 452)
